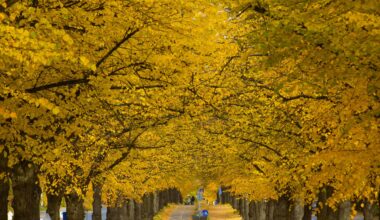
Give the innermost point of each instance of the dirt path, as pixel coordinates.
(182, 212)
(219, 212)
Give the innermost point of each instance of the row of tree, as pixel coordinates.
(299, 118)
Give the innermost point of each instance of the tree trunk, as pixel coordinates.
(145, 207)
(155, 203)
(308, 213)
(54, 203)
(241, 207)
(297, 211)
(282, 209)
(26, 191)
(252, 211)
(138, 213)
(344, 210)
(4, 186)
(368, 211)
(236, 203)
(131, 209)
(270, 209)
(246, 209)
(97, 201)
(326, 213)
(161, 202)
(115, 213)
(111, 213)
(261, 210)
(75, 209)
(4, 191)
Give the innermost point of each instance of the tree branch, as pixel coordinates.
(127, 36)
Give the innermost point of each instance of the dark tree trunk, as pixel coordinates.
(252, 210)
(26, 191)
(145, 208)
(138, 214)
(4, 191)
(246, 209)
(172, 198)
(235, 203)
(326, 213)
(54, 203)
(281, 211)
(163, 199)
(270, 209)
(368, 211)
(116, 213)
(241, 206)
(75, 209)
(4, 186)
(307, 212)
(97, 201)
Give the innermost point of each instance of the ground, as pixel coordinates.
(219, 212)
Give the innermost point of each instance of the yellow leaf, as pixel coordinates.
(55, 110)
(84, 60)
(13, 115)
(68, 39)
(93, 67)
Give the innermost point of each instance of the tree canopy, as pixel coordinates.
(269, 97)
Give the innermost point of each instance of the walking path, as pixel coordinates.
(219, 212)
(222, 212)
(182, 212)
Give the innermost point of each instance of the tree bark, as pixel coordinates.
(307, 213)
(145, 208)
(344, 210)
(326, 213)
(235, 203)
(155, 203)
(4, 186)
(241, 207)
(246, 209)
(252, 211)
(97, 201)
(4, 191)
(54, 203)
(26, 191)
(297, 211)
(75, 209)
(261, 210)
(114, 213)
(138, 214)
(368, 211)
(270, 210)
(282, 209)
(131, 209)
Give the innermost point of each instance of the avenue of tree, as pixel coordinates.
(129, 103)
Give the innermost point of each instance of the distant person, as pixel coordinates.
(192, 200)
